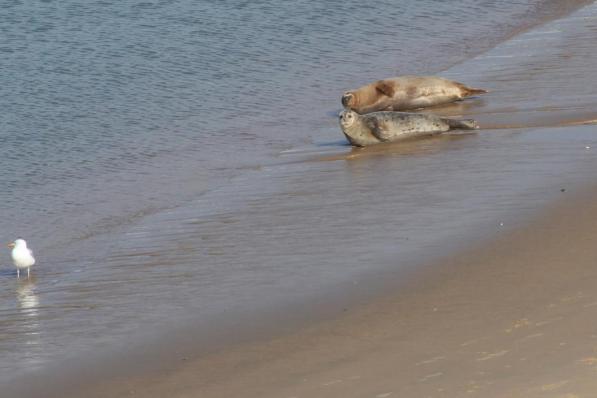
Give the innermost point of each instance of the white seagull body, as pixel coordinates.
(22, 257)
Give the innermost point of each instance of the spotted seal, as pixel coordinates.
(385, 126)
(406, 92)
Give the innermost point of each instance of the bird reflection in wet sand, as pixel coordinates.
(29, 328)
(27, 300)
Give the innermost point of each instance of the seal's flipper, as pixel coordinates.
(461, 124)
(379, 129)
(376, 129)
(385, 88)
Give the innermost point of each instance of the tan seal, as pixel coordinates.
(385, 126)
(406, 92)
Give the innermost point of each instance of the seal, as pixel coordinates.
(385, 126)
(406, 92)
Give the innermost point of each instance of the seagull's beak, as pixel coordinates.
(11, 245)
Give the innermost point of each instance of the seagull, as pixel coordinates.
(22, 257)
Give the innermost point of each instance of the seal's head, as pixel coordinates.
(355, 129)
(349, 100)
(347, 118)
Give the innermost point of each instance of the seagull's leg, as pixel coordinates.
(28, 272)
(18, 273)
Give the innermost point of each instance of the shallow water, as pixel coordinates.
(172, 161)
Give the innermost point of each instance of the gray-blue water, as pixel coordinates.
(149, 156)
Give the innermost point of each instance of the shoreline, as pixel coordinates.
(510, 317)
(171, 381)
(514, 317)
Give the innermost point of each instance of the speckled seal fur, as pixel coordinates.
(406, 92)
(386, 126)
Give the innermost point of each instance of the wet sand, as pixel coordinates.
(516, 317)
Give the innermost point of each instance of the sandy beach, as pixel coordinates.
(512, 316)
(515, 317)
(480, 284)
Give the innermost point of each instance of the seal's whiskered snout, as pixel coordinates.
(347, 99)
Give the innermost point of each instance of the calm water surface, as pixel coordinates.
(153, 156)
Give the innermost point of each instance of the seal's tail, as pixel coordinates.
(462, 124)
(475, 91)
(469, 91)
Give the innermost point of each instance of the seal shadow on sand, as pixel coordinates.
(336, 143)
(502, 115)
(415, 146)
(461, 108)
